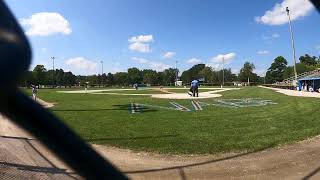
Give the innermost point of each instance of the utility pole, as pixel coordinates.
(293, 47)
(53, 71)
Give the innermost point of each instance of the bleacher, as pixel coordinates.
(309, 74)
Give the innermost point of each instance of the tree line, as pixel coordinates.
(218, 77)
(279, 69)
(41, 76)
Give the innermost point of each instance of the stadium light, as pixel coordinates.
(293, 47)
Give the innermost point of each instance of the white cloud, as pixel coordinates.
(278, 15)
(140, 43)
(194, 61)
(215, 66)
(226, 58)
(263, 52)
(158, 66)
(140, 47)
(141, 39)
(318, 48)
(81, 63)
(45, 24)
(169, 55)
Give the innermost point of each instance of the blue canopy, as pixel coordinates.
(309, 79)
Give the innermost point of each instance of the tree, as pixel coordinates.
(58, 77)
(276, 71)
(301, 68)
(149, 76)
(134, 76)
(50, 77)
(93, 80)
(110, 79)
(207, 74)
(247, 72)
(160, 78)
(39, 74)
(99, 80)
(104, 79)
(308, 60)
(69, 79)
(261, 80)
(121, 78)
(228, 76)
(193, 73)
(169, 76)
(81, 80)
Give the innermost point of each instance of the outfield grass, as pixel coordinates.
(105, 119)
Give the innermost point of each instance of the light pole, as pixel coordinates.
(53, 70)
(293, 47)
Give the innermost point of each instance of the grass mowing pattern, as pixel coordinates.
(105, 119)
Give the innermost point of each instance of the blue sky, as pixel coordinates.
(155, 34)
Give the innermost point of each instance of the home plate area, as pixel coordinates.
(198, 105)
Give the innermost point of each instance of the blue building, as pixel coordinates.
(309, 82)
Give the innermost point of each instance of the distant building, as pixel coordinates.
(178, 83)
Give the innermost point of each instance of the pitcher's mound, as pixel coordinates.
(202, 95)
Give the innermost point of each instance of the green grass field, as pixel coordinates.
(105, 119)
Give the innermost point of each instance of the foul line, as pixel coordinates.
(180, 107)
(196, 105)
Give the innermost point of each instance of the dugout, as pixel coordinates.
(307, 83)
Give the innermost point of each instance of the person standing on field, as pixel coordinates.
(34, 92)
(195, 88)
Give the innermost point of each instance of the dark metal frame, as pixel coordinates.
(15, 54)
